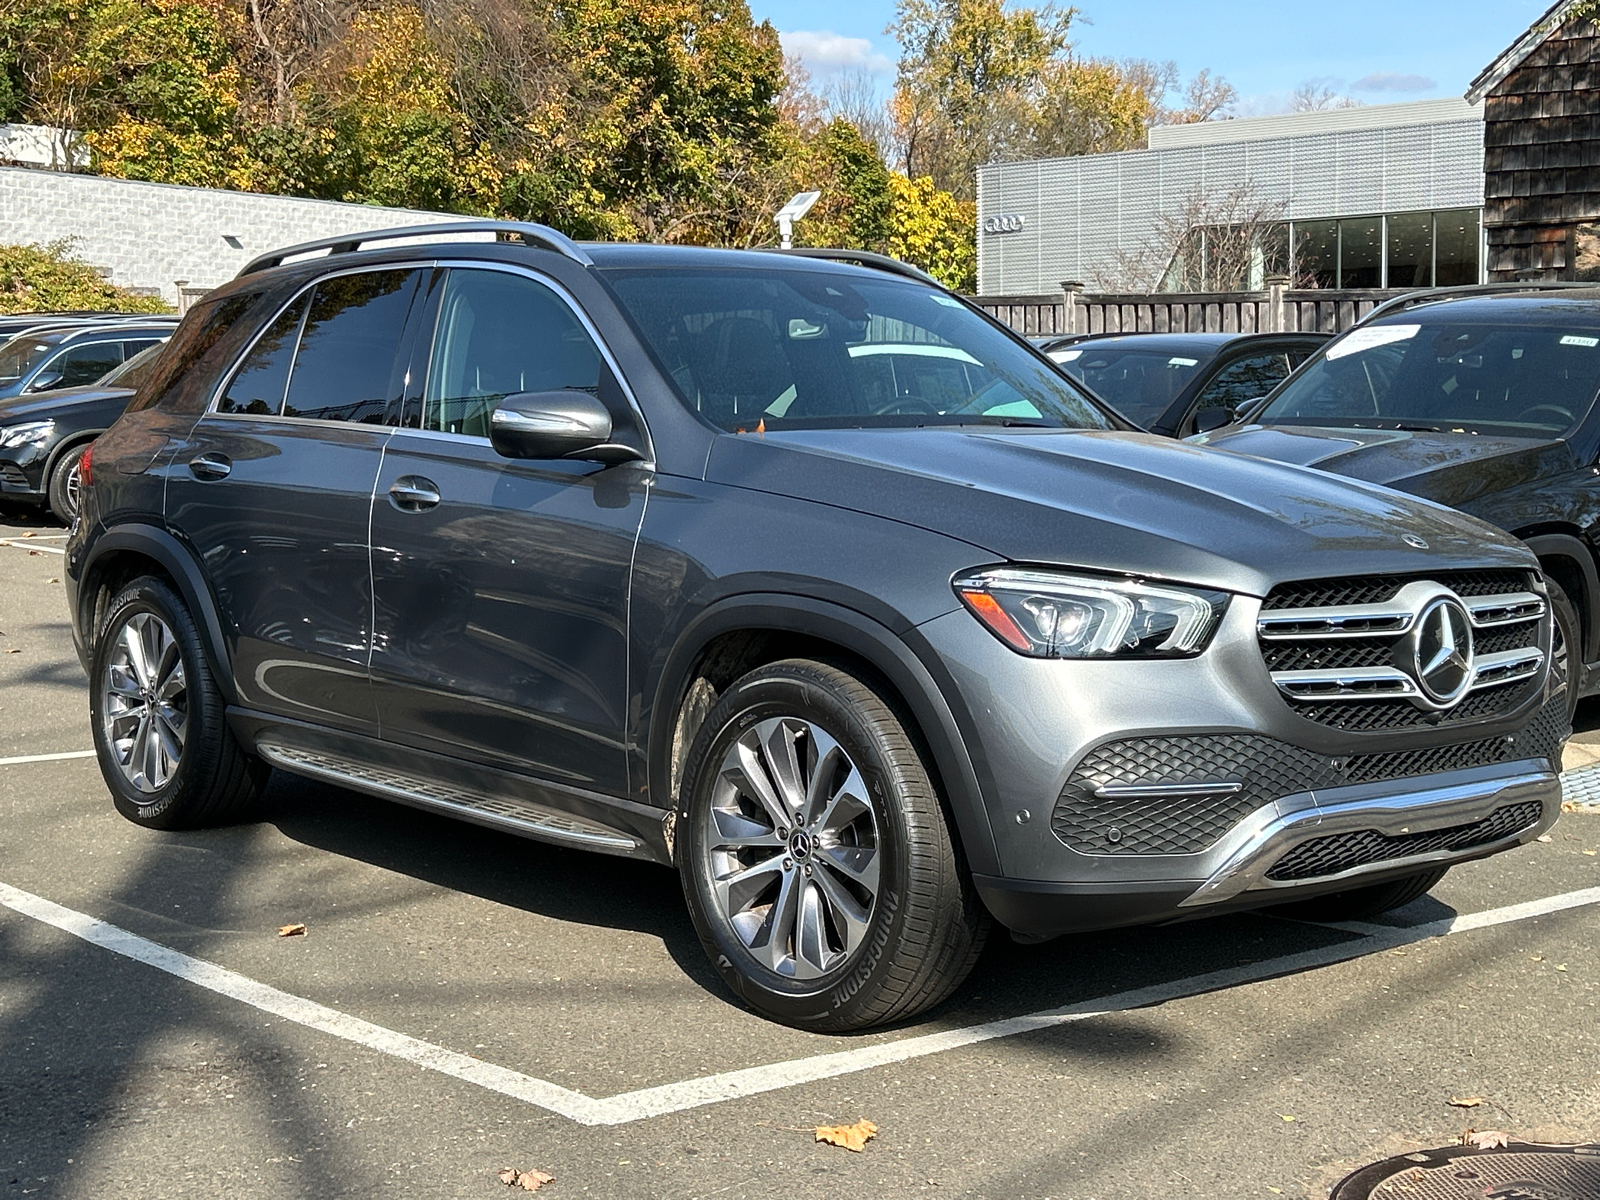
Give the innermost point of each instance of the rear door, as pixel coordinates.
(274, 491)
(502, 585)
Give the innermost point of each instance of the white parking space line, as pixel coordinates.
(711, 1089)
(62, 757)
(29, 545)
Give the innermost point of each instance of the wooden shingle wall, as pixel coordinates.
(1541, 139)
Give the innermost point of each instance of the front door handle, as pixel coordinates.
(210, 466)
(413, 493)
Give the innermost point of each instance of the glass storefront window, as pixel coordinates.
(1316, 254)
(1361, 253)
(1411, 250)
(1456, 257)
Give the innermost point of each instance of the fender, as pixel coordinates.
(870, 640)
(159, 545)
(1564, 545)
(81, 438)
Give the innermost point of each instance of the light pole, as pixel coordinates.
(791, 212)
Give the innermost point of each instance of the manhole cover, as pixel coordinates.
(1517, 1172)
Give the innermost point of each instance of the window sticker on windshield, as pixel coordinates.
(1062, 356)
(947, 301)
(1573, 339)
(1183, 362)
(1358, 340)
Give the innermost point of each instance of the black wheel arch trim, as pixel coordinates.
(67, 444)
(960, 763)
(179, 563)
(1568, 546)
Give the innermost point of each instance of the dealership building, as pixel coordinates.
(1371, 197)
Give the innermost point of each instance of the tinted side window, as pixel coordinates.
(84, 365)
(499, 334)
(132, 347)
(1245, 379)
(348, 364)
(259, 383)
(200, 332)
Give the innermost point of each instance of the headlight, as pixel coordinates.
(32, 433)
(1051, 614)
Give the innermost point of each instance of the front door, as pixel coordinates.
(502, 586)
(274, 491)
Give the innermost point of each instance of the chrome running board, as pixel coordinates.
(516, 816)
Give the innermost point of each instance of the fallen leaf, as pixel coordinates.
(528, 1181)
(1590, 853)
(33, 554)
(291, 930)
(1543, 837)
(1561, 966)
(851, 1137)
(1489, 1139)
(1286, 1116)
(1274, 1191)
(1536, 957)
(29, 534)
(56, 579)
(1464, 1101)
(13, 650)
(1569, 806)
(761, 427)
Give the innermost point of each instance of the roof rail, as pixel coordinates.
(1464, 290)
(539, 236)
(864, 258)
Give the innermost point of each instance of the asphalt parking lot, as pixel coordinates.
(463, 1001)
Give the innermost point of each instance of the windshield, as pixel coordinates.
(136, 370)
(19, 356)
(797, 349)
(1437, 375)
(1140, 384)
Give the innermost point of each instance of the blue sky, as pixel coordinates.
(1379, 51)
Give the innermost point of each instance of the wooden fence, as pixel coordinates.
(1278, 309)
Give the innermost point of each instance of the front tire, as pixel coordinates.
(64, 488)
(1566, 644)
(815, 856)
(160, 727)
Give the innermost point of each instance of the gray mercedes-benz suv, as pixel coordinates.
(799, 575)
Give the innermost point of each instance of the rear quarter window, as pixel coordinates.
(204, 342)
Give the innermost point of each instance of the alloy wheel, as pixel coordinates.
(145, 711)
(792, 848)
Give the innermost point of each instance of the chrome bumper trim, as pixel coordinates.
(1265, 837)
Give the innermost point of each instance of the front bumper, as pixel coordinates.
(22, 473)
(1304, 845)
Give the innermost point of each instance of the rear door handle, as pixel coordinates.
(210, 466)
(413, 493)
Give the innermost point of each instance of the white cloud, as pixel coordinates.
(1393, 81)
(825, 52)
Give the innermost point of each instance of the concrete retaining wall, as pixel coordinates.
(153, 234)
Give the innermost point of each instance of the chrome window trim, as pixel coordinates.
(233, 370)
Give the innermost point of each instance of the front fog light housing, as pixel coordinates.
(1054, 614)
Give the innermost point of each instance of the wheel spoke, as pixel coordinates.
(858, 864)
(750, 776)
(782, 757)
(848, 913)
(121, 683)
(846, 805)
(811, 933)
(133, 653)
(818, 789)
(772, 941)
(743, 888)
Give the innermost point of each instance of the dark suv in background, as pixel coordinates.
(1484, 401)
(646, 550)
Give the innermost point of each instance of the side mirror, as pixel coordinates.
(1249, 408)
(566, 424)
(1208, 419)
(45, 380)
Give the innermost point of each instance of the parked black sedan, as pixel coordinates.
(1485, 403)
(74, 355)
(42, 437)
(1161, 380)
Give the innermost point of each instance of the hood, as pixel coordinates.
(1449, 468)
(46, 405)
(1122, 502)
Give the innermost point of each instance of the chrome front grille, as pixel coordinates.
(1350, 653)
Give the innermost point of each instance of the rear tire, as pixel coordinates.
(63, 487)
(815, 856)
(160, 723)
(1360, 903)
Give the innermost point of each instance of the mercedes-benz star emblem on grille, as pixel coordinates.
(1441, 651)
(1414, 541)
